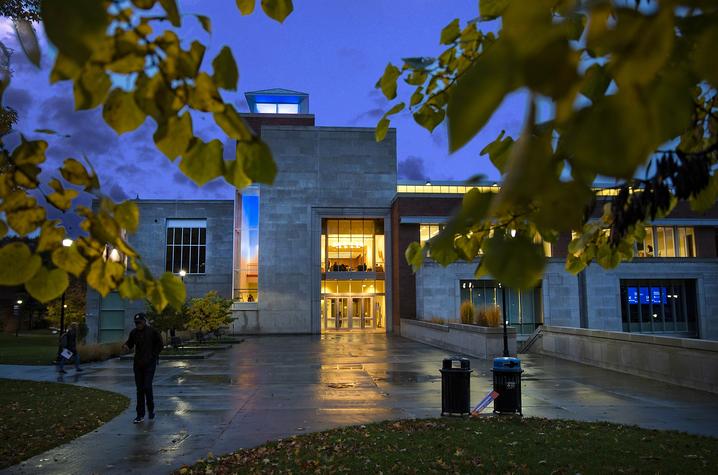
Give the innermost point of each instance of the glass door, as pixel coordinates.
(367, 317)
(330, 313)
(356, 312)
(342, 307)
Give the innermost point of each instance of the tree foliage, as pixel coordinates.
(75, 301)
(167, 319)
(209, 313)
(124, 57)
(632, 90)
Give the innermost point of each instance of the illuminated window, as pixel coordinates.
(352, 245)
(659, 306)
(667, 241)
(247, 258)
(523, 307)
(273, 108)
(428, 231)
(186, 246)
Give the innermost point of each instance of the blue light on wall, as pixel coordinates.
(655, 295)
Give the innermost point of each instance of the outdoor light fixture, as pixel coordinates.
(513, 233)
(67, 242)
(115, 255)
(19, 302)
(428, 183)
(182, 272)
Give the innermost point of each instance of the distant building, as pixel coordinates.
(322, 249)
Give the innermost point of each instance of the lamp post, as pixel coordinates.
(503, 312)
(67, 242)
(17, 307)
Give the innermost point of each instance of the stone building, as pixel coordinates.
(321, 250)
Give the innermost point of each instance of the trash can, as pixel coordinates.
(455, 386)
(507, 382)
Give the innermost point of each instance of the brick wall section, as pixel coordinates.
(256, 121)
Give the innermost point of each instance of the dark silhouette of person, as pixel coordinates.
(148, 344)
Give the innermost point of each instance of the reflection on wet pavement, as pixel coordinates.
(276, 386)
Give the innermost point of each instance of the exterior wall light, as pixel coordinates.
(182, 273)
(67, 242)
(115, 255)
(19, 302)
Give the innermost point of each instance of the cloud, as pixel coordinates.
(412, 168)
(18, 99)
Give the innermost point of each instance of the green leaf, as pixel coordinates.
(232, 124)
(205, 22)
(621, 117)
(246, 7)
(130, 289)
(479, 92)
(144, 4)
(641, 45)
(17, 264)
(76, 173)
(596, 82)
(450, 32)
(75, 27)
(127, 215)
(225, 74)
(29, 152)
(277, 9)
(387, 82)
(704, 56)
(121, 112)
(28, 41)
(515, 262)
(22, 212)
(64, 68)
(173, 289)
(104, 276)
(415, 255)
(47, 285)
(202, 162)
(204, 96)
(173, 136)
(498, 151)
(170, 7)
(383, 126)
(705, 200)
(69, 259)
(562, 206)
(91, 87)
(257, 162)
(61, 198)
(416, 97)
(235, 175)
(489, 9)
(429, 116)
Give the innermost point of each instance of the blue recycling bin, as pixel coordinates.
(507, 382)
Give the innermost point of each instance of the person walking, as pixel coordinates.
(68, 348)
(147, 343)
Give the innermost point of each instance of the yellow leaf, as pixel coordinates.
(17, 264)
(47, 285)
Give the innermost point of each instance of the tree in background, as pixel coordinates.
(127, 57)
(168, 321)
(75, 302)
(619, 90)
(209, 313)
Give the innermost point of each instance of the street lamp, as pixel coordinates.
(17, 311)
(67, 242)
(182, 273)
(503, 312)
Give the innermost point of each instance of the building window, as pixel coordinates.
(246, 272)
(523, 307)
(186, 245)
(273, 108)
(659, 306)
(352, 245)
(428, 231)
(667, 241)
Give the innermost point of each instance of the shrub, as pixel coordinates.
(99, 351)
(438, 320)
(467, 312)
(489, 316)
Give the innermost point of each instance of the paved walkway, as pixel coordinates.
(271, 387)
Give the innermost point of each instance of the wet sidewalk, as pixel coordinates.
(275, 386)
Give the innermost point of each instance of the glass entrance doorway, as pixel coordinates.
(349, 312)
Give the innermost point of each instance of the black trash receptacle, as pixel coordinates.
(507, 382)
(455, 386)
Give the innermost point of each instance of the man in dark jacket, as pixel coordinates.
(148, 344)
(68, 341)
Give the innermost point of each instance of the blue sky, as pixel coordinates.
(334, 50)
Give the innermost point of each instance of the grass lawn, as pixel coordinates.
(479, 445)
(36, 417)
(36, 348)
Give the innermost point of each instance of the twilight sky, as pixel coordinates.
(334, 50)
